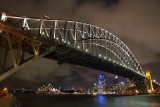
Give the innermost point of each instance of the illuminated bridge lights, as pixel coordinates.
(129, 68)
(68, 43)
(100, 55)
(42, 33)
(117, 63)
(86, 50)
(63, 40)
(78, 46)
(57, 38)
(83, 37)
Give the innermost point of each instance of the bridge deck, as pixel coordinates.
(65, 54)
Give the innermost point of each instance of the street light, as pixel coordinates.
(5, 89)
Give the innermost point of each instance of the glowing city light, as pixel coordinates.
(86, 50)
(5, 89)
(122, 82)
(116, 76)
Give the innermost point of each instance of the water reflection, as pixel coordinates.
(89, 101)
(127, 101)
(101, 101)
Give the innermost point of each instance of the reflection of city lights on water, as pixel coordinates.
(101, 99)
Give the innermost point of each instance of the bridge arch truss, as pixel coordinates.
(81, 36)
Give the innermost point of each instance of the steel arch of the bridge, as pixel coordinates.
(85, 37)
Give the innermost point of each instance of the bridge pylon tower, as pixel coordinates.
(149, 82)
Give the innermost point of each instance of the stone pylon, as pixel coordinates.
(149, 82)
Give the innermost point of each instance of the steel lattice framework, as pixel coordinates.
(84, 37)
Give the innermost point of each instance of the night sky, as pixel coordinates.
(135, 22)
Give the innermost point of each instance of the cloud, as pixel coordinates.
(135, 21)
(44, 69)
(154, 70)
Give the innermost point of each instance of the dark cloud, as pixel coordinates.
(136, 22)
(105, 2)
(154, 68)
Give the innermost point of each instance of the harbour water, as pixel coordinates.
(34, 100)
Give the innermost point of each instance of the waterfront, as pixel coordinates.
(69, 100)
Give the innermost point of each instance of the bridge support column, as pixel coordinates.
(12, 52)
(149, 82)
(3, 58)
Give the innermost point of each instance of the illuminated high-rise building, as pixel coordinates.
(115, 81)
(101, 84)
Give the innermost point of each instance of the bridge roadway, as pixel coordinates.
(67, 54)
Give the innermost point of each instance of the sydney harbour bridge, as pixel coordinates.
(67, 42)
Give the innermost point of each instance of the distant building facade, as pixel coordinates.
(101, 84)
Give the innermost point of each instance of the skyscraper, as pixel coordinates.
(115, 81)
(101, 84)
